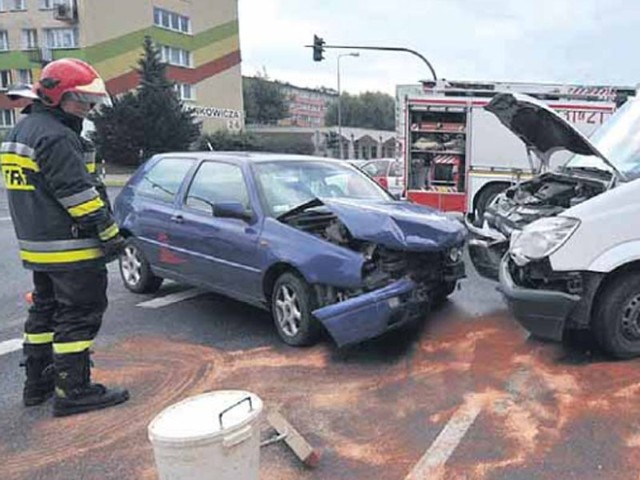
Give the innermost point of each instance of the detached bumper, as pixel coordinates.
(371, 314)
(544, 313)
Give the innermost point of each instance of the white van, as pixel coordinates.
(579, 268)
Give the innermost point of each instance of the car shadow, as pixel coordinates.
(578, 347)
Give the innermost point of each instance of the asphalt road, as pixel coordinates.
(466, 395)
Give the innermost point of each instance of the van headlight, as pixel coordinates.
(541, 238)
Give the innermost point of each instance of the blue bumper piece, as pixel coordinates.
(368, 315)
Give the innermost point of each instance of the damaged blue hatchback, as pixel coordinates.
(314, 240)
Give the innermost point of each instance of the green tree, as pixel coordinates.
(264, 101)
(373, 110)
(145, 122)
(167, 125)
(119, 131)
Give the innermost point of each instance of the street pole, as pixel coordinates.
(340, 103)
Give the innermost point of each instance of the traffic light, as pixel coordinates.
(318, 49)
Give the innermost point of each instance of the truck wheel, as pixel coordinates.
(292, 302)
(484, 199)
(616, 320)
(135, 270)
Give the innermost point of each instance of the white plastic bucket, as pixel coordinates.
(210, 436)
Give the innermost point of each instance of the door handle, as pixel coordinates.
(177, 219)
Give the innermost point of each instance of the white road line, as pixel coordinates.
(10, 346)
(431, 465)
(172, 298)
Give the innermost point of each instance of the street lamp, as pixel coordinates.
(353, 54)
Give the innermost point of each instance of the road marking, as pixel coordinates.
(431, 465)
(172, 298)
(5, 219)
(10, 346)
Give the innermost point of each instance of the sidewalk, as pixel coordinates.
(116, 179)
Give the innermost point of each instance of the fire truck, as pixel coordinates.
(458, 156)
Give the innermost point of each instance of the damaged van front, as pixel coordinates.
(566, 244)
(598, 165)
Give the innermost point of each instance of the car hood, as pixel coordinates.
(397, 225)
(540, 128)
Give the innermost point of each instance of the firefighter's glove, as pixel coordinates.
(113, 248)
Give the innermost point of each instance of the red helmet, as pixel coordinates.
(71, 77)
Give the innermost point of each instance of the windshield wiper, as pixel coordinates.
(314, 202)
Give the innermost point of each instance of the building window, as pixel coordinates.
(175, 56)
(5, 79)
(25, 76)
(18, 5)
(29, 38)
(172, 21)
(47, 4)
(4, 40)
(7, 118)
(185, 91)
(61, 38)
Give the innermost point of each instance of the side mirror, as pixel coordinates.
(232, 210)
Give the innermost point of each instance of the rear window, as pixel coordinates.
(163, 180)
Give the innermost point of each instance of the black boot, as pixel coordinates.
(74, 391)
(38, 362)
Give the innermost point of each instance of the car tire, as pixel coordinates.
(616, 319)
(135, 270)
(442, 293)
(292, 302)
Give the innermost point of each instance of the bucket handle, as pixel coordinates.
(237, 404)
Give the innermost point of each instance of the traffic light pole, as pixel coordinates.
(384, 49)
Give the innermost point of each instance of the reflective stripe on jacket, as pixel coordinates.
(59, 211)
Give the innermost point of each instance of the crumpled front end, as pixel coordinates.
(545, 196)
(405, 270)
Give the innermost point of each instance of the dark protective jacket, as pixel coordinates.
(59, 208)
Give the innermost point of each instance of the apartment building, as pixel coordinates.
(307, 106)
(199, 39)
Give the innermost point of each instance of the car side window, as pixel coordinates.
(396, 170)
(375, 169)
(217, 182)
(163, 180)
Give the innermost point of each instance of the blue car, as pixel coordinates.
(314, 240)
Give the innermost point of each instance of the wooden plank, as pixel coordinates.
(300, 447)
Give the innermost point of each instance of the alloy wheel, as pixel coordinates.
(131, 266)
(288, 313)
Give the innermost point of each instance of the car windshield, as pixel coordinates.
(618, 140)
(288, 184)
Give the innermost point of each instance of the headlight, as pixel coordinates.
(541, 238)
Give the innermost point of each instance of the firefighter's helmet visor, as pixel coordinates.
(92, 98)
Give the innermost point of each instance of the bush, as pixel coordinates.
(224, 141)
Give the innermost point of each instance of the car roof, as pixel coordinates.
(250, 157)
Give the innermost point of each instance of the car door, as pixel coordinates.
(154, 202)
(223, 252)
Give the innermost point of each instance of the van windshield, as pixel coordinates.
(618, 140)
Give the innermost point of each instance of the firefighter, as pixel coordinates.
(66, 235)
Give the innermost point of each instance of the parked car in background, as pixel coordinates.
(388, 172)
(572, 235)
(314, 240)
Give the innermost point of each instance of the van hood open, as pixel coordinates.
(542, 130)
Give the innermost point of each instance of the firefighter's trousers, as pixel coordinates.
(67, 309)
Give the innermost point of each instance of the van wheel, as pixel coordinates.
(616, 320)
(135, 270)
(292, 302)
(484, 199)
